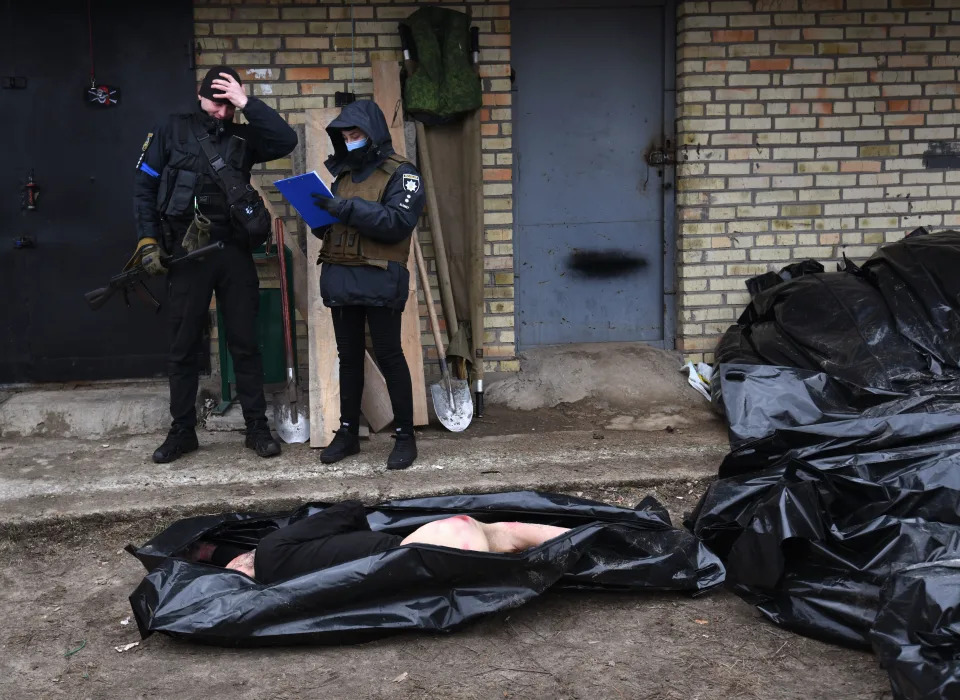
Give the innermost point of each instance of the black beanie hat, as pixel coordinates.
(206, 87)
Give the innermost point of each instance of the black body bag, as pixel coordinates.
(417, 587)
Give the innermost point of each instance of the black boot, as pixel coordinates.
(260, 439)
(344, 444)
(404, 451)
(180, 441)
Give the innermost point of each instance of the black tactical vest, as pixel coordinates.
(187, 175)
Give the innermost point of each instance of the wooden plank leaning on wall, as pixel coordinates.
(386, 93)
(324, 374)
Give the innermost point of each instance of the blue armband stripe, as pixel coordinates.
(148, 170)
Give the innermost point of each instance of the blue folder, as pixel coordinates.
(298, 190)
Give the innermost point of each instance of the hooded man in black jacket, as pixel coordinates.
(181, 204)
(378, 198)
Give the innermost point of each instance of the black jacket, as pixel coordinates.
(391, 219)
(173, 169)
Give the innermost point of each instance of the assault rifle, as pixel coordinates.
(132, 280)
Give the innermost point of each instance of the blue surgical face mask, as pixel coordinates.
(354, 145)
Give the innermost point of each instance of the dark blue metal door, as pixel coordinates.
(589, 108)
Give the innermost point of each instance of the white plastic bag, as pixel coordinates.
(699, 376)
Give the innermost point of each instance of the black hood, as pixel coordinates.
(365, 115)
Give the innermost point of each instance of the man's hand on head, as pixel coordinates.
(230, 90)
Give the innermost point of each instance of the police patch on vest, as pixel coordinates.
(411, 183)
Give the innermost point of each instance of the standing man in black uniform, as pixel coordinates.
(378, 198)
(180, 203)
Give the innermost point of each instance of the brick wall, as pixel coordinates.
(802, 127)
(295, 55)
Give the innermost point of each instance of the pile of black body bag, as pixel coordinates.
(413, 587)
(837, 512)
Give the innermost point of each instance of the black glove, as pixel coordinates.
(333, 205)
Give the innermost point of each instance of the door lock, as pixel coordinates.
(659, 157)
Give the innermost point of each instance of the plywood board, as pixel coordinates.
(324, 365)
(386, 93)
(375, 401)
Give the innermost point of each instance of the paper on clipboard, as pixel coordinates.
(298, 190)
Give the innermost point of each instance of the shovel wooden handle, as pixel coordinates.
(285, 311)
(428, 297)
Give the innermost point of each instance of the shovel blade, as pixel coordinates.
(291, 422)
(454, 416)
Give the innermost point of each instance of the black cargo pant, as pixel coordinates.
(348, 326)
(232, 274)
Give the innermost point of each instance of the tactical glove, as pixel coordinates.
(333, 205)
(149, 254)
(198, 233)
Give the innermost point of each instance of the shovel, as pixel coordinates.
(451, 397)
(289, 413)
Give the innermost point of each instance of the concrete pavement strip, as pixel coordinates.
(48, 482)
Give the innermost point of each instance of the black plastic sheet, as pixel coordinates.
(837, 510)
(890, 327)
(755, 285)
(918, 278)
(916, 634)
(829, 527)
(759, 399)
(813, 517)
(415, 587)
(837, 323)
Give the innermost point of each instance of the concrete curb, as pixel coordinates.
(51, 525)
(90, 413)
(99, 484)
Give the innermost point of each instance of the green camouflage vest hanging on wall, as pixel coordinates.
(444, 84)
(345, 245)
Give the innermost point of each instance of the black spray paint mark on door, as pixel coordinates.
(604, 264)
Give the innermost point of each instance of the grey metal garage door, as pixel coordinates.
(593, 98)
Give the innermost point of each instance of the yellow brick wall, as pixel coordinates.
(295, 55)
(802, 127)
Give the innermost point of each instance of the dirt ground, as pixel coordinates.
(589, 413)
(56, 597)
